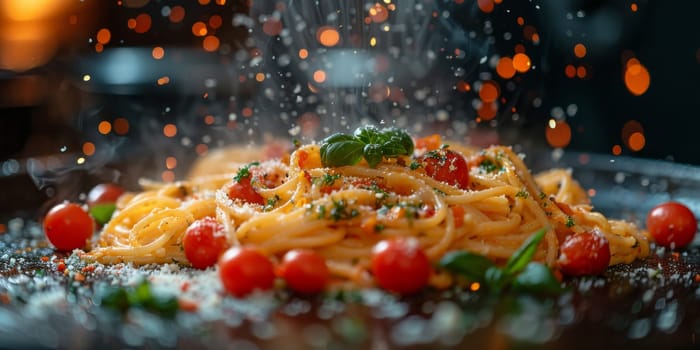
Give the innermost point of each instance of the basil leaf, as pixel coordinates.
(537, 278)
(495, 278)
(391, 149)
(339, 150)
(373, 154)
(470, 265)
(102, 212)
(368, 134)
(399, 137)
(524, 254)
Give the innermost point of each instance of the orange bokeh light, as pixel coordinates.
(272, 27)
(170, 162)
(636, 141)
(199, 29)
(260, 77)
(634, 7)
(558, 136)
(581, 72)
(521, 62)
(211, 43)
(580, 50)
(163, 80)
(170, 130)
(143, 23)
(303, 54)
(168, 176)
(485, 5)
(177, 14)
(637, 78)
(158, 52)
(104, 127)
(121, 126)
(505, 68)
(319, 76)
(209, 119)
(201, 149)
(104, 36)
(489, 91)
(215, 21)
(617, 150)
(378, 13)
(463, 86)
(570, 71)
(88, 148)
(487, 111)
(328, 36)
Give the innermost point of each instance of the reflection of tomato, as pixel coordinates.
(305, 271)
(244, 191)
(446, 166)
(104, 193)
(672, 225)
(400, 265)
(204, 241)
(244, 270)
(67, 226)
(586, 253)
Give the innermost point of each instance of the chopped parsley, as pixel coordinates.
(543, 195)
(490, 166)
(244, 171)
(570, 221)
(271, 202)
(415, 165)
(327, 179)
(522, 194)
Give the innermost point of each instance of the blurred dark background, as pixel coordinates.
(94, 91)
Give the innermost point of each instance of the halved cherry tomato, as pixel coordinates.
(104, 193)
(400, 265)
(305, 271)
(243, 270)
(585, 253)
(67, 226)
(244, 191)
(672, 225)
(446, 166)
(204, 242)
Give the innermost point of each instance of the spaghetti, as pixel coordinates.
(342, 212)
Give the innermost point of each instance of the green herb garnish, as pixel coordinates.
(102, 212)
(244, 171)
(520, 273)
(522, 194)
(366, 142)
(121, 299)
(490, 166)
(570, 221)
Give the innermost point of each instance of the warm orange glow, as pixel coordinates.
(99, 47)
(581, 72)
(489, 91)
(521, 62)
(505, 68)
(617, 150)
(303, 54)
(177, 14)
(634, 7)
(88, 148)
(170, 130)
(319, 76)
(475, 286)
(221, 2)
(27, 10)
(463, 86)
(215, 21)
(104, 36)
(201, 149)
(163, 80)
(121, 126)
(570, 71)
(260, 77)
(247, 112)
(143, 23)
(529, 32)
(487, 111)
(485, 5)
(199, 29)
(168, 176)
(558, 136)
(209, 119)
(272, 27)
(131, 23)
(521, 21)
(378, 13)
(158, 52)
(328, 36)
(204, 2)
(637, 78)
(170, 163)
(104, 127)
(519, 48)
(211, 43)
(580, 50)
(636, 141)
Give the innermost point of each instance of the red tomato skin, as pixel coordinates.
(585, 253)
(672, 225)
(204, 242)
(243, 270)
(104, 193)
(400, 266)
(244, 191)
(305, 271)
(446, 166)
(67, 226)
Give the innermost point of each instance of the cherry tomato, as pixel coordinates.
(104, 193)
(244, 191)
(446, 166)
(243, 270)
(305, 271)
(585, 253)
(67, 226)
(204, 242)
(672, 225)
(400, 265)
